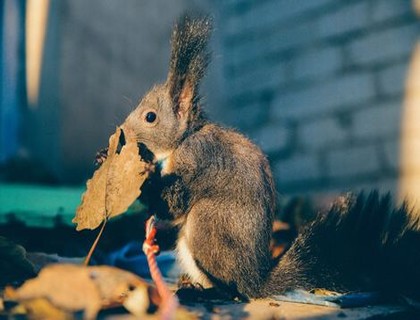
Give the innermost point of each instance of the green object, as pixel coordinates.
(38, 205)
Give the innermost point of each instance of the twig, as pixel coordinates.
(95, 243)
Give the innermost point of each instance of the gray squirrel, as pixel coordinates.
(217, 188)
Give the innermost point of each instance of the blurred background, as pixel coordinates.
(327, 88)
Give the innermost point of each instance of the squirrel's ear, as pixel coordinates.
(189, 60)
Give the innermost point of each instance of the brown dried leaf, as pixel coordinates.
(68, 287)
(137, 302)
(42, 309)
(125, 177)
(74, 288)
(114, 284)
(114, 186)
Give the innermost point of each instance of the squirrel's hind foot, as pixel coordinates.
(189, 292)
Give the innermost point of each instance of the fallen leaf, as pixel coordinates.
(68, 287)
(137, 302)
(72, 288)
(114, 186)
(42, 309)
(115, 284)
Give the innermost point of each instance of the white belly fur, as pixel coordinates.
(188, 265)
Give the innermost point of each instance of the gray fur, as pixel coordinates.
(216, 185)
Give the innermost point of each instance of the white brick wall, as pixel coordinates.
(265, 14)
(245, 116)
(346, 19)
(333, 69)
(324, 97)
(384, 11)
(299, 168)
(323, 134)
(386, 44)
(273, 138)
(255, 79)
(392, 79)
(317, 63)
(377, 121)
(353, 161)
(392, 151)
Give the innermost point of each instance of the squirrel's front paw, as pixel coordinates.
(149, 168)
(100, 157)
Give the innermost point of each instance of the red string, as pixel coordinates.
(150, 248)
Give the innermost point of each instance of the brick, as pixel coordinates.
(244, 53)
(376, 122)
(245, 117)
(392, 79)
(302, 34)
(392, 153)
(384, 45)
(355, 161)
(267, 76)
(324, 97)
(384, 35)
(317, 63)
(302, 167)
(236, 7)
(346, 19)
(273, 138)
(235, 2)
(269, 13)
(279, 40)
(387, 10)
(322, 133)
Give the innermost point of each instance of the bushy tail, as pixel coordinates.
(361, 244)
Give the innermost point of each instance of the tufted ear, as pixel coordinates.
(188, 63)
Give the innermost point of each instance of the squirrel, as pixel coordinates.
(216, 187)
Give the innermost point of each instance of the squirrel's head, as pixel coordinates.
(170, 111)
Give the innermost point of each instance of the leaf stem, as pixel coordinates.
(95, 243)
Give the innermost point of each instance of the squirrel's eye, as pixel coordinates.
(150, 117)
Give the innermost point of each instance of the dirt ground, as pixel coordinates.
(274, 310)
(270, 309)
